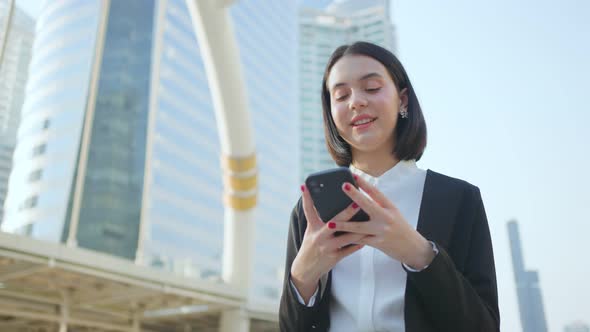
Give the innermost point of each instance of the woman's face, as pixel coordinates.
(364, 102)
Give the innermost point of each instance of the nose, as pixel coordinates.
(357, 101)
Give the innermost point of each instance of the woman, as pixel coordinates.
(424, 260)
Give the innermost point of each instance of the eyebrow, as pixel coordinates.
(367, 76)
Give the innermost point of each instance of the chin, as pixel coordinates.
(367, 145)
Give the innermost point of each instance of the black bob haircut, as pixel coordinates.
(410, 133)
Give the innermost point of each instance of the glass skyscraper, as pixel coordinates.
(577, 327)
(322, 31)
(118, 150)
(5, 166)
(16, 41)
(530, 301)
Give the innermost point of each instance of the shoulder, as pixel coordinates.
(449, 192)
(451, 209)
(448, 184)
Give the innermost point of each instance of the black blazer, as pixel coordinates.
(457, 292)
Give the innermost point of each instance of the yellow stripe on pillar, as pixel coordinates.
(240, 203)
(240, 182)
(239, 164)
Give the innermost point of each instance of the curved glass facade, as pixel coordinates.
(52, 116)
(184, 218)
(184, 223)
(153, 180)
(266, 32)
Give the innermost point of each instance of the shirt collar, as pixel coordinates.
(392, 175)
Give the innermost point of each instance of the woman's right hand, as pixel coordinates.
(320, 250)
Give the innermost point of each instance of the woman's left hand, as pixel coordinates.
(386, 230)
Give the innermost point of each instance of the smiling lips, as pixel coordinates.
(362, 121)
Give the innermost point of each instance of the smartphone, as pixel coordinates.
(328, 197)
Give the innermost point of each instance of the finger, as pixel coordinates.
(326, 233)
(345, 239)
(361, 199)
(347, 214)
(347, 251)
(313, 219)
(369, 240)
(373, 192)
(364, 228)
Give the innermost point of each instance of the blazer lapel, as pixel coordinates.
(438, 209)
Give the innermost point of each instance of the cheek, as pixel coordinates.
(339, 115)
(387, 100)
(388, 104)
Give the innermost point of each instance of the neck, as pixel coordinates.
(374, 163)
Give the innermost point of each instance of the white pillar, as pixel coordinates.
(237, 249)
(64, 309)
(136, 321)
(234, 320)
(214, 30)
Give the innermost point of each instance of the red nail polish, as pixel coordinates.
(356, 177)
(331, 225)
(302, 188)
(354, 205)
(347, 187)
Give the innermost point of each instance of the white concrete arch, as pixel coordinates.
(214, 30)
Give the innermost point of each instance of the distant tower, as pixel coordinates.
(577, 327)
(530, 302)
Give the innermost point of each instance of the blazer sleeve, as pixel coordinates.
(294, 316)
(465, 298)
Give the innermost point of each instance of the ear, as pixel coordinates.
(403, 96)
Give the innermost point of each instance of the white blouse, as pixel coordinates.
(368, 287)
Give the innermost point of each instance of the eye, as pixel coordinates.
(341, 97)
(373, 89)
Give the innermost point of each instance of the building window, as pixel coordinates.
(29, 203)
(114, 231)
(25, 229)
(35, 176)
(39, 149)
(5, 158)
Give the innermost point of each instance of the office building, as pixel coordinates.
(322, 30)
(118, 149)
(577, 327)
(530, 301)
(16, 42)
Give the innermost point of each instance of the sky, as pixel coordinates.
(31, 7)
(503, 86)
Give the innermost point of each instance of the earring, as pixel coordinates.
(403, 113)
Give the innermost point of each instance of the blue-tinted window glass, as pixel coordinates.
(110, 211)
(190, 217)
